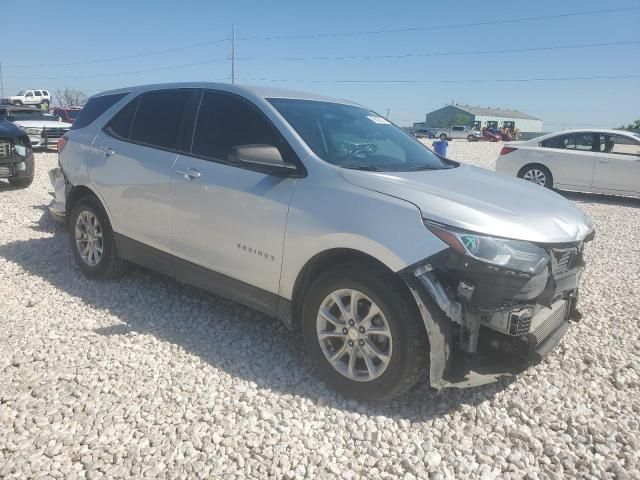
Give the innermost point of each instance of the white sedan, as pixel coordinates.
(598, 161)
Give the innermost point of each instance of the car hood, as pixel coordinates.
(482, 201)
(42, 123)
(9, 130)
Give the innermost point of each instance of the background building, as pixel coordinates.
(480, 117)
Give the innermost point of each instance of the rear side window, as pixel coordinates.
(225, 121)
(572, 141)
(95, 107)
(159, 118)
(120, 125)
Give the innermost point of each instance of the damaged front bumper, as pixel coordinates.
(484, 324)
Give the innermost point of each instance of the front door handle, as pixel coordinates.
(189, 174)
(107, 151)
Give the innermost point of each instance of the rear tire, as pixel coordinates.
(472, 138)
(403, 346)
(538, 174)
(89, 227)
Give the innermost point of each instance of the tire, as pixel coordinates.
(17, 102)
(24, 181)
(110, 264)
(407, 346)
(443, 137)
(472, 138)
(535, 171)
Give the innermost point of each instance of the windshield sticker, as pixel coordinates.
(378, 120)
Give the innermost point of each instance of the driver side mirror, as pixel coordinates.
(260, 155)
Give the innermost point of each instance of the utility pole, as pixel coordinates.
(233, 53)
(1, 82)
(388, 110)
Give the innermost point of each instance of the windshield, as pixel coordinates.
(21, 93)
(34, 115)
(72, 114)
(354, 137)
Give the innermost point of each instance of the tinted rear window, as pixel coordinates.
(160, 116)
(95, 107)
(120, 124)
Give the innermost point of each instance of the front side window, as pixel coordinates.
(29, 94)
(160, 116)
(226, 121)
(353, 137)
(38, 93)
(619, 144)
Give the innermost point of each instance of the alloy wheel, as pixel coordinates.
(536, 176)
(88, 233)
(354, 335)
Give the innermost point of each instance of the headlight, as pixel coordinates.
(502, 252)
(33, 130)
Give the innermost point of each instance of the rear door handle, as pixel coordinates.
(189, 174)
(107, 151)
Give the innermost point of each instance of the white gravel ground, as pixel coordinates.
(146, 377)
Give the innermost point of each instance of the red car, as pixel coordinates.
(488, 136)
(68, 114)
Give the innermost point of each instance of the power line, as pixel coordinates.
(115, 74)
(126, 57)
(472, 52)
(478, 80)
(440, 27)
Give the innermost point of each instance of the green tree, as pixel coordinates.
(632, 126)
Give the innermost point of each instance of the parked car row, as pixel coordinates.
(43, 128)
(35, 97)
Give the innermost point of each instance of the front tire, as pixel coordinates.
(472, 138)
(92, 240)
(364, 333)
(538, 174)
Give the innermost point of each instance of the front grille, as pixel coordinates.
(557, 316)
(5, 148)
(54, 132)
(6, 172)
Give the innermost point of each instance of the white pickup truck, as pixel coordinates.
(457, 131)
(35, 97)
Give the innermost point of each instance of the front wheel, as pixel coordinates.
(538, 174)
(443, 137)
(364, 333)
(472, 138)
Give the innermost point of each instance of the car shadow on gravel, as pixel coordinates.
(601, 199)
(221, 333)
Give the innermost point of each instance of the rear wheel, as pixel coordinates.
(443, 137)
(472, 138)
(364, 333)
(538, 174)
(92, 240)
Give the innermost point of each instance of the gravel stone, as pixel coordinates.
(145, 377)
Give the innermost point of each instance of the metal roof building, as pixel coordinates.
(480, 117)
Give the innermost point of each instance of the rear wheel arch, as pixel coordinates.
(80, 191)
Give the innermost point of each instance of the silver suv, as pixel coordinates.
(390, 259)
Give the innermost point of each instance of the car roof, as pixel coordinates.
(609, 131)
(262, 92)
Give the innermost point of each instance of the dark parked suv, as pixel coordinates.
(16, 157)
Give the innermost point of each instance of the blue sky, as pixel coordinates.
(80, 30)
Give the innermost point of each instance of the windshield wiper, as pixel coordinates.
(367, 168)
